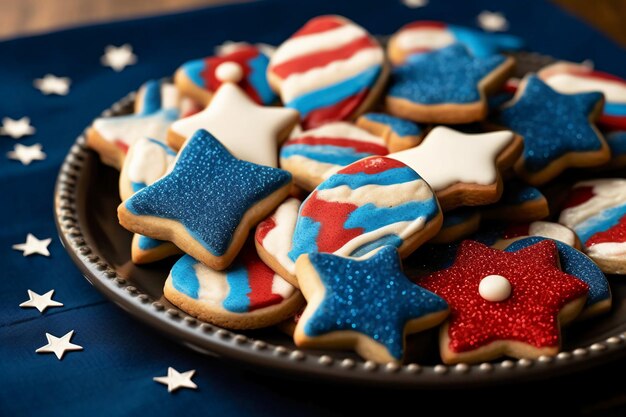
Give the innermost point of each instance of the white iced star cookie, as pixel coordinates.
(40, 302)
(156, 107)
(463, 169)
(16, 128)
(175, 380)
(51, 84)
(118, 57)
(27, 154)
(249, 131)
(59, 345)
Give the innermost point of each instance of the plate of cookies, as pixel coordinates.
(430, 208)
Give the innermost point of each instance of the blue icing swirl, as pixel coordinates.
(400, 127)
(151, 97)
(208, 191)
(448, 75)
(575, 263)
(552, 124)
(372, 297)
(184, 278)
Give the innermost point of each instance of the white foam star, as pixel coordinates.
(27, 154)
(414, 4)
(16, 128)
(51, 84)
(118, 57)
(492, 21)
(34, 245)
(248, 130)
(175, 380)
(59, 345)
(40, 302)
(447, 157)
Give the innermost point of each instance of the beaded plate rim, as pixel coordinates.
(213, 340)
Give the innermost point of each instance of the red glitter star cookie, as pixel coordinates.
(505, 303)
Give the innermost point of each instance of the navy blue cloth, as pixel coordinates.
(113, 375)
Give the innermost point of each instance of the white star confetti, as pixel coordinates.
(51, 84)
(34, 245)
(59, 345)
(492, 21)
(40, 302)
(414, 4)
(175, 380)
(16, 128)
(27, 154)
(118, 57)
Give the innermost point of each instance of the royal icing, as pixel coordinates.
(596, 210)
(574, 79)
(311, 154)
(148, 161)
(326, 69)
(208, 192)
(275, 233)
(158, 108)
(575, 263)
(447, 157)
(423, 36)
(529, 315)
(246, 286)
(370, 296)
(249, 131)
(249, 64)
(374, 202)
(552, 124)
(494, 288)
(448, 75)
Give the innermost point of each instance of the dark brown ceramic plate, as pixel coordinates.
(86, 199)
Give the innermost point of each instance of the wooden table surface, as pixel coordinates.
(20, 17)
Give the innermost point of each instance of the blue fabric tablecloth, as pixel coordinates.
(113, 375)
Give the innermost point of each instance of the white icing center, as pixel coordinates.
(412, 39)
(494, 288)
(229, 72)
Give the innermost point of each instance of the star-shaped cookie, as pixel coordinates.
(558, 130)
(156, 108)
(505, 303)
(365, 304)
(249, 131)
(463, 169)
(448, 85)
(207, 204)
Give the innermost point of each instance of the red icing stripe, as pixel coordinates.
(264, 228)
(260, 279)
(516, 230)
(357, 145)
(338, 111)
(578, 196)
(601, 75)
(241, 56)
(121, 144)
(318, 25)
(613, 122)
(322, 58)
(373, 165)
(332, 234)
(616, 233)
(425, 24)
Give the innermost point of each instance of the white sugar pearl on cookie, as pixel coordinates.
(494, 288)
(229, 72)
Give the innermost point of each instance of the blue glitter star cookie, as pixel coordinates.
(558, 130)
(207, 204)
(448, 85)
(365, 304)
